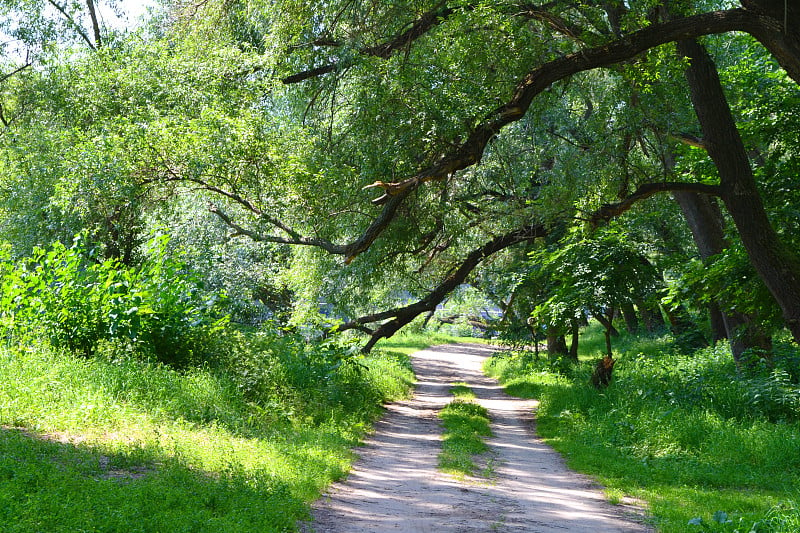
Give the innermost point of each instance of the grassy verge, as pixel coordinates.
(466, 424)
(706, 448)
(125, 445)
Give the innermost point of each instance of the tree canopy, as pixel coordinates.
(348, 165)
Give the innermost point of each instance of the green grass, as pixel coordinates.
(408, 343)
(125, 445)
(462, 391)
(466, 424)
(686, 434)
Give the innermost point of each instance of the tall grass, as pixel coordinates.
(687, 433)
(122, 444)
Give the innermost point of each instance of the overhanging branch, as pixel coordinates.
(536, 81)
(609, 211)
(403, 315)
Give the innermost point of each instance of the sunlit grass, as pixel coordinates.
(687, 435)
(94, 445)
(466, 425)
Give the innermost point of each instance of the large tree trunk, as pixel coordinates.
(705, 222)
(556, 344)
(631, 320)
(777, 266)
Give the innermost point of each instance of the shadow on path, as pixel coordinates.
(396, 487)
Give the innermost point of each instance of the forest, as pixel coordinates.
(225, 225)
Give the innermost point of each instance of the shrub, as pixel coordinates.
(158, 309)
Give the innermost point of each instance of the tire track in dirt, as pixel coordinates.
(396, 487)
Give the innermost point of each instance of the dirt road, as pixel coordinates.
(395, 486)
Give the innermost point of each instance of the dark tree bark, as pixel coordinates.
(717, 322)
(777, 266)
(705, 221)
(556, 344)
(573, 347)
(606, 322)
(781, 34)
(631, 320)
(98, 41)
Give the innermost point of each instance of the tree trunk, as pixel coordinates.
(556, 345)
(784, 41)
(717, 322)
(631, 320)
(777, 266)
(705, 221)
(601, 377)
(607, 324)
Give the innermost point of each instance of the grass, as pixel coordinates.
(125, 445)
(686, 434)
(466, 424)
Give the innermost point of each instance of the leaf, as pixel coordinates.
(721, 517)
(696, 521)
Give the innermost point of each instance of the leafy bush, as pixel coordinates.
(158, 308)
(281, 371)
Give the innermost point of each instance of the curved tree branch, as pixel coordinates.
(383, 50)
(609, 211)
(403, 315)
(536, 81)
(531, 85)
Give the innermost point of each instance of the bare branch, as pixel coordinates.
(17, 70)
(74, 24)
(98, 41)
(296, 240)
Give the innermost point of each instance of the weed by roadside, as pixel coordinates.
(121, 444)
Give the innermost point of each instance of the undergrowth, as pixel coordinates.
(689, 434)
(115, 443)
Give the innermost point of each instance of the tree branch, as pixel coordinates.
(95, 23)
(536, 81)
(296, 240)
(383, 50)
(609, 211)
(74, 24)
(403, 315)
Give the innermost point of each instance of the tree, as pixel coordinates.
(482, 126)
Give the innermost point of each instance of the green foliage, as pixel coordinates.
(158, 310)
(291, 378)
(591, 273)
(688, 434)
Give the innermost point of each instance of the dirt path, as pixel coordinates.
(395, 486)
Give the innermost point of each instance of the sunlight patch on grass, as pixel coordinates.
(466, 425)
